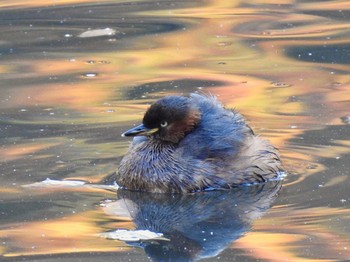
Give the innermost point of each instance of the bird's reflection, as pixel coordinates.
(198, 225)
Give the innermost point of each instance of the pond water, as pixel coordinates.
(75, 74)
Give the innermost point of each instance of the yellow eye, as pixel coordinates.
(163, 123)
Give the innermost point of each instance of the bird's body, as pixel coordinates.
(190, 144)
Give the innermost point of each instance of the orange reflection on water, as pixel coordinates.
(338, 6)
(13, 152)
(77, 95)
(240, 48)
(75, 233)
(41, 3)
(301, 240)
(273, 247)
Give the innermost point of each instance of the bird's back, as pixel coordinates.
(224, 141)
(220, 133)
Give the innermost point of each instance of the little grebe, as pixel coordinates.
(190, 144)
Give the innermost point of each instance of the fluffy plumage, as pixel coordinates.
(189, 144)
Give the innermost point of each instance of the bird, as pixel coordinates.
(189, 144)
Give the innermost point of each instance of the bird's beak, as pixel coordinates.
(140, 130)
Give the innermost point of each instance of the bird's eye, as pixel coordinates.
(163, 123)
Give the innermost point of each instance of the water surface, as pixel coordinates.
(76, 74)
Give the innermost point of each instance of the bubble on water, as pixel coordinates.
(97, 32)
(312, 166)
(224, 43)
(280, 84)
(345, 119)
(89, 75)
(104, 62)
(265, 32)
(335, 84)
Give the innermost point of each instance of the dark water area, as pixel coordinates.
(75, 74)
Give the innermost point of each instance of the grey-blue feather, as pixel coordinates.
(188, 144)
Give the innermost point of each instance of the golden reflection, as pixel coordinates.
(338, 6)
(272, 247)
(303, 233)
(335, 150)
(336, 181)
(243, 50)
(165, 63)
(13, 152)
(42, 3)
(63, 67)
(7, 190)
(69, 234)
(74, 95)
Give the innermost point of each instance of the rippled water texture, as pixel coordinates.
(75, 74)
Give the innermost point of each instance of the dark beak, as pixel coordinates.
(140, 130)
